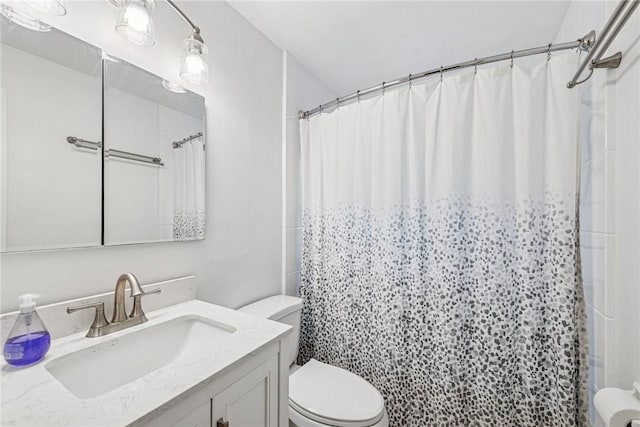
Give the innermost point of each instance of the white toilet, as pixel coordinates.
(321, 395)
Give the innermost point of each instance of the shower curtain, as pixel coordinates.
(440, 255)
(188, 187)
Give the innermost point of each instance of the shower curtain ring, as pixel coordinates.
(358, 92)
(549, 53)
(321, 109)
(410, 81)
(475, 65)
(337, 103)
(511, 59)
(383, 88)
(441, 69)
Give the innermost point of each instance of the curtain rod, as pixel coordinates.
(178, 144)
(608, 33)
(584, 43)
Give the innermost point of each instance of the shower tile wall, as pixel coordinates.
(597, 236)
(610, 202)
(303, 91)
(624, 129)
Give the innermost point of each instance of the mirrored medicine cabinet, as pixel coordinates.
(93, 150)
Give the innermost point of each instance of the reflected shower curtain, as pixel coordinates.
(188, 188)
(440, 256)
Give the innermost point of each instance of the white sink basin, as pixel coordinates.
(113, 363)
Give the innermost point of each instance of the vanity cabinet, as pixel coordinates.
(199, 417)
(247, 396)
(251, 401)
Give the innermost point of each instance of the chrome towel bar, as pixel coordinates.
(83, 143)
(132, 156)
(95, 145)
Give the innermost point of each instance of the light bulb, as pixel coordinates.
(52, 7)
(23, 19)
(135, 22)
(194, 64)
(137, 19)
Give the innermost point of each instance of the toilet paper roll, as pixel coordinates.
(617, 407)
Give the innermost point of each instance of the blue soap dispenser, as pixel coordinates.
(28, 340)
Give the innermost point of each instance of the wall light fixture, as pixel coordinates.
(134, 23)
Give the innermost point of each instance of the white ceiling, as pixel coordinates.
(351, 45)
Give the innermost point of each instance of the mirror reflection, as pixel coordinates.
(154, 158)
(49, 189)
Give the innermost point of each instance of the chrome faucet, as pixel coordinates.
(119, 320)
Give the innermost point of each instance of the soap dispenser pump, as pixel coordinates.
(29, 339)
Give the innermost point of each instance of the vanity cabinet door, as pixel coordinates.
(199, 417)
(252, 401)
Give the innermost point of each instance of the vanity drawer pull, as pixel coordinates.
(222, 423)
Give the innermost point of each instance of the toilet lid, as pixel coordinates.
(334, 396)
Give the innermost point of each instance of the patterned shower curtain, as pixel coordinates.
(188, 191)
(440, 248)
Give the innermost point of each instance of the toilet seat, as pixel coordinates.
(333, 396)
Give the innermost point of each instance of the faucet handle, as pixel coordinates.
(137, 303)
(99, 321)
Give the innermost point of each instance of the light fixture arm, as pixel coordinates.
(175, 7)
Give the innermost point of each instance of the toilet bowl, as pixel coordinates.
(321, 395)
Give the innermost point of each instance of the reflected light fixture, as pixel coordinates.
(135, 21)
(52, 7)
(22, 19)
(173, 87)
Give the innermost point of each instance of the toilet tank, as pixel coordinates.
(284, 309)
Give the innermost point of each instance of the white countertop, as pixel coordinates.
(33, 397)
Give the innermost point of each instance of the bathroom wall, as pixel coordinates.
(240, 261)
(610, 201)
(303, 92)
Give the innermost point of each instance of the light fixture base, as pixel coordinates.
(195, 35)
